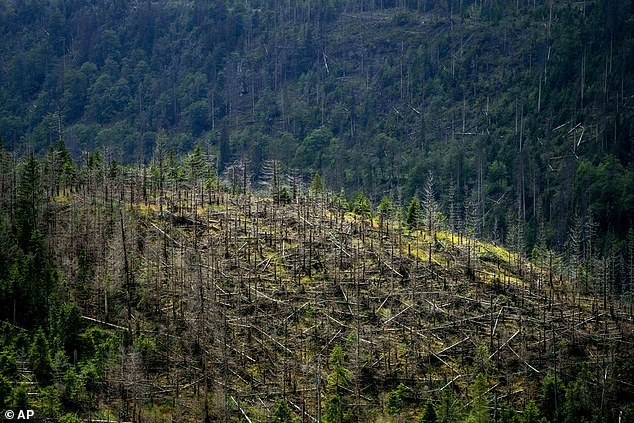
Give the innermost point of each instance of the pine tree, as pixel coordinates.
(337, 382)
(531, 413)
(429, 415)
(395, 400)
(66, 326)
(282, 413)
(449, 409)
(549, 401)
(28, 202)
(413, 217)
(41, 359)
(197, 165)
(362, 206)
(69, 169)
(49, 402)
(385, 211)
(317, 184)
(580, 401)
(19, 399)
(480, 405)
(335, 406)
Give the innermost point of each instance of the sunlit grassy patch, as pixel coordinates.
(64, 197)
(145, 209)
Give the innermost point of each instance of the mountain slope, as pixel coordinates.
(525, 107)
(178, 299)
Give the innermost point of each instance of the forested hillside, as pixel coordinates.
(523, 109)
(317, 210)
(164, 294)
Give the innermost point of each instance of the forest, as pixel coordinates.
(525, 111)
(320, 210)
(162, 292)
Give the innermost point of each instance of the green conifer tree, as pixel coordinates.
(282, 413)
(385, 210)
(550, 397)
(28, 201)
(531, 413)
(317, 184)
(429, 414)
(449, 409)
(339, 378)
(413, 217)
(363, 207)
(19, 399)
(395, 400)
(480, 404)
(40, 358)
